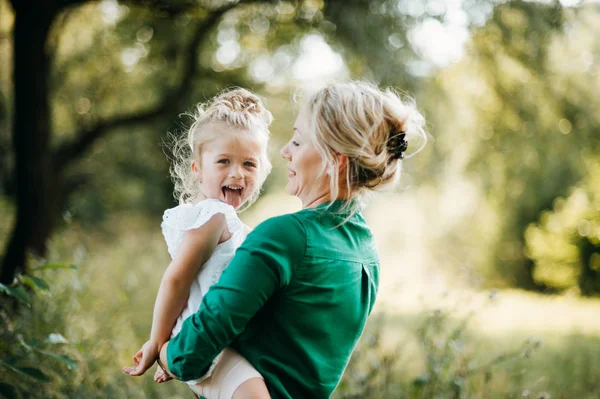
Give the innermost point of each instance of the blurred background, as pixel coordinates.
(490, 246)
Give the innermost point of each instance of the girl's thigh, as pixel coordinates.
(232, 377)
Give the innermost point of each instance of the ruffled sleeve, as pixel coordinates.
(178, 220)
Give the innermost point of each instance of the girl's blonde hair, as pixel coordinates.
(372, 128)
(238, 108)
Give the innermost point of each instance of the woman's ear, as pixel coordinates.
(341, 162)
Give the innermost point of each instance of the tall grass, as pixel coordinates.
(104, 310)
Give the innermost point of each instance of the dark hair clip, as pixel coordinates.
(397, 144)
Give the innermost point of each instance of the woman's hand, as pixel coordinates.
(143, 359)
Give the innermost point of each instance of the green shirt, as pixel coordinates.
(293, 301)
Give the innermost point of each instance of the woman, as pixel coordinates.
(296, 296)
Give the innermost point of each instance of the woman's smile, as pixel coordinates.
(306, 179)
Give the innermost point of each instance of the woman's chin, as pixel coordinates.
(290, 189)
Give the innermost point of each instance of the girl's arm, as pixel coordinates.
(195, 249)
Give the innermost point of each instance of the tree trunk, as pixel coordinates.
(35, 179)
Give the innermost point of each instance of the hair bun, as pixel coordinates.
(238, 107)
(244, 102)
(397, 144)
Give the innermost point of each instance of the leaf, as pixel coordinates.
(35, 282)
(54, 266)
(9, 391)
(56, 338)
(421, 381)
(16, 292)
(25, 344)
(67, 361)
(34, 373)
(458, 382)
(28, 371)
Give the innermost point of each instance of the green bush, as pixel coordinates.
(31, 357)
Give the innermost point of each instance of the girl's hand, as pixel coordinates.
(161, 376)
(143, 359)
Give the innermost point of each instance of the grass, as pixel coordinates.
(415, 345)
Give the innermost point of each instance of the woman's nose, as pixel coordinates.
(284, 152)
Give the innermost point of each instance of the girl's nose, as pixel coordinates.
(236, 171)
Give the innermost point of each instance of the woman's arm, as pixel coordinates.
(196, 248)
(264, 264)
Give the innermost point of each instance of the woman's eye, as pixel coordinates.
(295, 143)
(250, 164)
(223, 161)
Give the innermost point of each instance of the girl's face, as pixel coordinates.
(304, 164)
(229, 165)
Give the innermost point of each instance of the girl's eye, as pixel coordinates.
(223, 161)
(250, 164)
(295, 143)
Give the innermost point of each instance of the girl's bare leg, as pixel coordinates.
(254, 388)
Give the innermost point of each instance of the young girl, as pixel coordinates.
(220, 166)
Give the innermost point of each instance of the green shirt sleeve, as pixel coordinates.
(263, 265)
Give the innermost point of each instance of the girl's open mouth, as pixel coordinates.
(233, 195)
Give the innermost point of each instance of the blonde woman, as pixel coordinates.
(295, 298)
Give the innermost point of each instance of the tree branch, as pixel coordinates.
(164, 5)
(68, 152)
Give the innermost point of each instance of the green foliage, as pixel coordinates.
(519, 119)
(451, 368)
(565, 244)
(373, 369)
(114, 62)
(105, 311)
(384, 54)
(25, 358)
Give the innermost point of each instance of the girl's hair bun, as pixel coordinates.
(239, 105)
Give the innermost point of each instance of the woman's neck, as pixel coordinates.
(323, 198)
(316, 201)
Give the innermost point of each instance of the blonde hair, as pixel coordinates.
(359, 120)
(238, 108)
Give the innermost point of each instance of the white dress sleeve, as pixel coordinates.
(178, 220)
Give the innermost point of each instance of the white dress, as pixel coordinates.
(177, 221)
(220, 382)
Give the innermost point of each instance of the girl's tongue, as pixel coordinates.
(233, 197)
